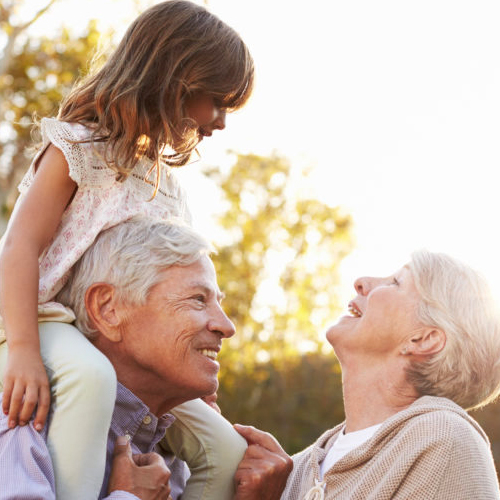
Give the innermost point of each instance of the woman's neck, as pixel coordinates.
(374, 392)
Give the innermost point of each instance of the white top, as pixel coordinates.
(100, 201)
(344, 444)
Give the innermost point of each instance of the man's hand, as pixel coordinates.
(265, 467)
(145, 475)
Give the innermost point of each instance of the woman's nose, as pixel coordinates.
(363, 285)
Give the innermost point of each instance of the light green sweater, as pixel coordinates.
(433, 450)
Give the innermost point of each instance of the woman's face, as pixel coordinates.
(202, 108)
(382, 316)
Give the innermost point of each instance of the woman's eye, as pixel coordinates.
(395, 282)
(199, 298)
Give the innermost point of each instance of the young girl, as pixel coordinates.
(107, 157)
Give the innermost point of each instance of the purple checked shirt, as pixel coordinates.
(26, 469)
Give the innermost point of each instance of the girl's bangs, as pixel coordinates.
(237, 88)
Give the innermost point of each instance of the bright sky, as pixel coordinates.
(395, 103)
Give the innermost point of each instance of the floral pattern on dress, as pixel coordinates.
(99, 203)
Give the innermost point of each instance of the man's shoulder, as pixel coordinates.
(19, 432)
(24, 455)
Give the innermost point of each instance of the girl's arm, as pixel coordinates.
(32, 226)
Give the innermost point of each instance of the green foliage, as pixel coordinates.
(294, 399)
(279, 266)
(488, 417)
(39, 75)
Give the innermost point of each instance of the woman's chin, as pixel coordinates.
(331, 334)
(342, 328)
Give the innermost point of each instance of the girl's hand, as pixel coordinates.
(25, 386)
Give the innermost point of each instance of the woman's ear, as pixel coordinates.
(101, 305)
(427, 342)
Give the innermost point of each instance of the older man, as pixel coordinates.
(161, 333)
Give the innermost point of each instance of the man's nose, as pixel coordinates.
(221, 324)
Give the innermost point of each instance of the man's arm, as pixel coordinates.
(264, 470)
(25, 466)
(26, 469)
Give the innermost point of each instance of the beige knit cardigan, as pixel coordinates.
(431, 450)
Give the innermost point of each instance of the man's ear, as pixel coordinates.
(427, 341)
(101, 305)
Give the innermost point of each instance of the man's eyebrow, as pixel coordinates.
(208, 290)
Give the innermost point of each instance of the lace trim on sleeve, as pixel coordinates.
(63, 135)
(88, 168)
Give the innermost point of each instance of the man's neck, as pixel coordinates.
(154, 394)
(159, 396)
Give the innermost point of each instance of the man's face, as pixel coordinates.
(170, 344)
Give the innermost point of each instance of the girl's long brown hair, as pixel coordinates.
(135, 101)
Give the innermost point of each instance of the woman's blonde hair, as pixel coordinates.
(457, 300)
(135, 101)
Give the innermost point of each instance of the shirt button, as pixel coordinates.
(146, 420)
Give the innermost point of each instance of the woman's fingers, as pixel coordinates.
(255, 436)
(264, 469)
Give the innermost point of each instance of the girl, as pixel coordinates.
(107, 157)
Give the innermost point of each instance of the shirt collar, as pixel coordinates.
(132, 417)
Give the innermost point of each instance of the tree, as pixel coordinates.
(13, 30)
(40, 73)
(278, 266)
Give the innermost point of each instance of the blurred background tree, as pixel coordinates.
(13, 27)
(277, 262)
(36, 74)
(278, 265)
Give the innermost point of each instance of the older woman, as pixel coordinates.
(416, 348)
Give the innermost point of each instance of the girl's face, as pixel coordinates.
(201, 108)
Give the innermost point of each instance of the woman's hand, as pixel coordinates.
(211, 401)
(26, 386)
(264, 470)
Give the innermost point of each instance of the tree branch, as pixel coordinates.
(6, 57)
(40, 13)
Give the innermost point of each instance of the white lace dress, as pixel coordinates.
(99, 203)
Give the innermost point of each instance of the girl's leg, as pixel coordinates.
(210, 446)
(83, 392)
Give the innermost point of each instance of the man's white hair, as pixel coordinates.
(457, 299)
(130, 256)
